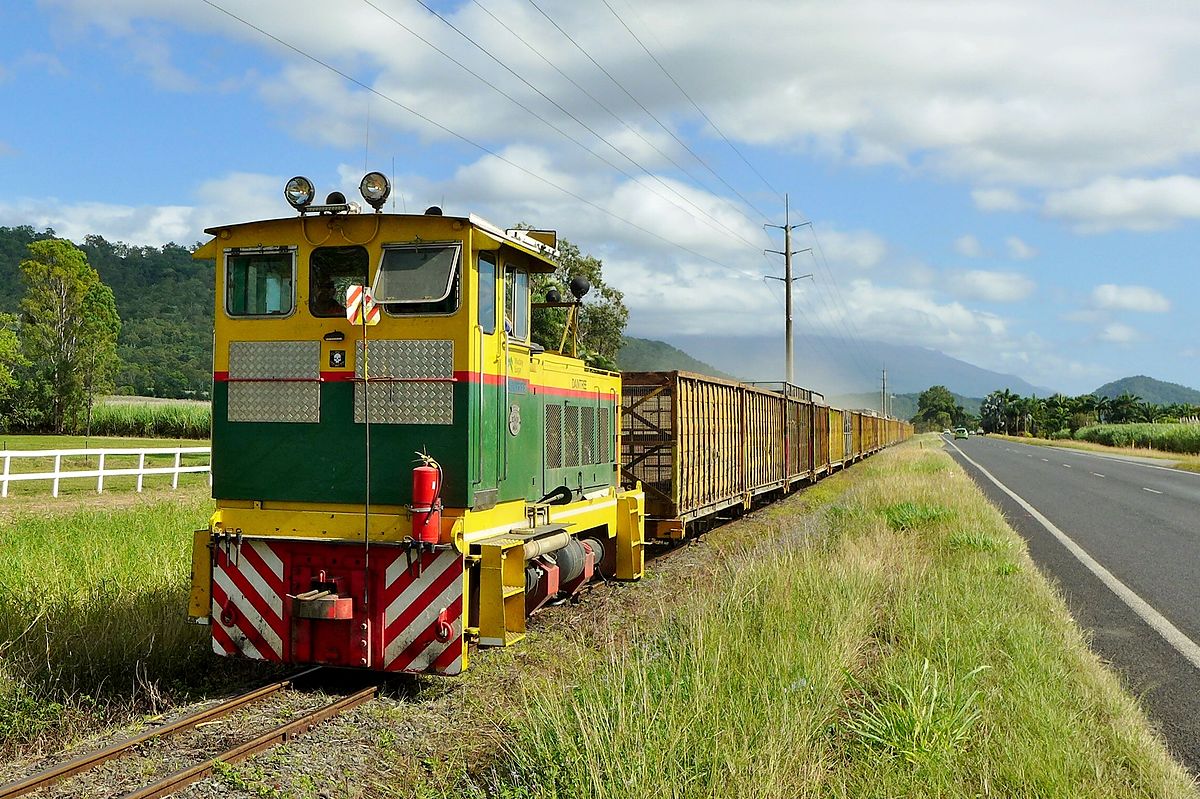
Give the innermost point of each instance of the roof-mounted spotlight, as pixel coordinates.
(299, 192)
(375, 189)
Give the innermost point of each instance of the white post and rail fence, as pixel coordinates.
(98, 465)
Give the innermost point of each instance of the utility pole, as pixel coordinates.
(787, 252)
(883, 395)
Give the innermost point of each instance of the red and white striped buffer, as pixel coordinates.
(423, 604)
(247, 601)
(360, 303)
(412, 621)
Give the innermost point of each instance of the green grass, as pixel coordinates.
(93, 613)
(888, 636)
(87, 485)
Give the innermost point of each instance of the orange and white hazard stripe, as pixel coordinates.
(423, 601)
(360, 303)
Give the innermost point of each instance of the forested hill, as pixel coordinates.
(648, 355)
(164, 298)
(1155, 392)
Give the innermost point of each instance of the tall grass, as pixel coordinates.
(157, 420)
(1184, 438)
(896, 642)
(93, 609)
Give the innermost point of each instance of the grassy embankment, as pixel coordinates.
(886, 634)
(92, 615)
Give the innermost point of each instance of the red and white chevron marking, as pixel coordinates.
(247, 602)
(414, 599)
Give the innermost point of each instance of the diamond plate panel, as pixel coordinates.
(406, 358)
(274, 402)
(406, 403)
(274, 359)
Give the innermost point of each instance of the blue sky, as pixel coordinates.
(1012, 183)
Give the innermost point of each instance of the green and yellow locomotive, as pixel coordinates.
(386, 492)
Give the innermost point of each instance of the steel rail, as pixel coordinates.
(95, 758)
(281, 734)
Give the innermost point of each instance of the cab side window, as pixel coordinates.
(487, 292)
(516, 303)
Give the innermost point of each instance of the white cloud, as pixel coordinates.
(1112, 297)
(1112, 203)
(861, 248)
(998, 200)
(992, 286)
(968, 246)
(990, 91)
(1018, 249)
(237, 197)
(1119, 333)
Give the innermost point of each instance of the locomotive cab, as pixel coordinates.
(318, 424)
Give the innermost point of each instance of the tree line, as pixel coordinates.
(1061, 416)
(1056, 416)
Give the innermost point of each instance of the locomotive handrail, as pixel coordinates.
(7, 476)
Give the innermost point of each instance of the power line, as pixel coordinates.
(648, 112)
(682, 91)
(547, 122)
(632, 129)
(482, 148)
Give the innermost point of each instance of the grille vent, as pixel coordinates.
(554, 436)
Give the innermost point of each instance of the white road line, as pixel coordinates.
(1170, 633)
(1097, 474)
(1045, 460)
(1067, 465)
(1151, 490)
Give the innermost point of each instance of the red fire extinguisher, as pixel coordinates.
(427, 502)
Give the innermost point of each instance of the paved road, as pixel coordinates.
(1138, 523)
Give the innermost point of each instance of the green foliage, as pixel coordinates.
(158, 420)
(164, 299)
(918, 717)
(166, 302)
(938, 409)
(69, 327)
(1183, 438)
(602, 317)
(10, 355)
(912, 515)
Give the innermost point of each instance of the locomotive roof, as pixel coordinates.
(538, 244)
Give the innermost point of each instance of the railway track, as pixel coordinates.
(184, 777)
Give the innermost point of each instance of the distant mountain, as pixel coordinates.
(1157, 392)
(827, 365)
(648, 355)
